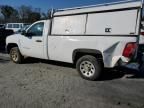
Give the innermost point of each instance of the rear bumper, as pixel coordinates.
(123, 61)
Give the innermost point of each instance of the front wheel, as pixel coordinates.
(89, 67)
(15, 55)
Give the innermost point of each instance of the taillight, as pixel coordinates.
(129, 49)
(142, 33)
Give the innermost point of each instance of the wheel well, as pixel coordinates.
(11, 45)
(79, 53)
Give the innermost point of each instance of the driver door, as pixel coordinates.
(32, 43)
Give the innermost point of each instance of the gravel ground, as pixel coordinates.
(47, 84)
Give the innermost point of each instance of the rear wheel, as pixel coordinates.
(89, 67)
(15, 55)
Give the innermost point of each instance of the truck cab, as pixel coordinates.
(32, 41)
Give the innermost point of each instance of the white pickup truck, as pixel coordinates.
(92, 37)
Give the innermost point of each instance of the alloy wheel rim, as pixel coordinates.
(14, 55)
(87, 68)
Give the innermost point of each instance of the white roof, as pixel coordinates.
(101, 7)
(14, 23)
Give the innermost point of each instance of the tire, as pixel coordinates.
(89, 68)
(16, 56)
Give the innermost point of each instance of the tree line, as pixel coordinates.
(24, 14)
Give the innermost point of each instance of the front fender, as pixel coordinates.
(12, 39)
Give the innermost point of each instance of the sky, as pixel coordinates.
(47, 4)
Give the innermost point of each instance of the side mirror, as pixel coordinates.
(23, 33)
(27, 34)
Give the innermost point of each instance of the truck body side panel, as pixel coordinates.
(61, 47)
(69, 25)
(112, 23)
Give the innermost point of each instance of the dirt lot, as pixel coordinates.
(47, 84)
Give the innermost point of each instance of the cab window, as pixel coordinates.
(36, 29)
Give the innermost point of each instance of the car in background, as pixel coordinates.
(2, 26)
(15, 26)
(4, 33)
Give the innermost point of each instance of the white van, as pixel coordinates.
(92, 37)
(14, 26)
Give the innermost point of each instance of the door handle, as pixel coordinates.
(38, 40)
